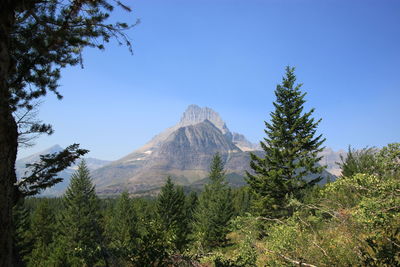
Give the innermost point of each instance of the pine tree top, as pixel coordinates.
(81, 182)
(217, 173)
(291, 148)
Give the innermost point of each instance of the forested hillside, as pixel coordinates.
(353, 221)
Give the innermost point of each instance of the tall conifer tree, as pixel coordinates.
(215, 208)
(42, 232)
(192, 201)
(122, 229)
(37, 40)
(171, 209)
(22, 232)
(291, 151)
(80, 233)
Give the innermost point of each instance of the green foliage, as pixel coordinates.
(154, 247)
(172, 212)
(42, 231)
(215, 208)
(192, 201)
(372, 161)
(22, 238)
(38, 39)
(388, 160)
(134, 233)
(43, 174)
(242, 200)
(358, 161)
(241, 250)
(121, 230)
(353, 222)
(80, 239)
(291, 152)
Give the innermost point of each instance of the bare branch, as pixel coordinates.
(297, 262)
(270, 219)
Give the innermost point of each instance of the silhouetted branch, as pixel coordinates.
(42, 174)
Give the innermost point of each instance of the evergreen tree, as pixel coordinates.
(215, 208)
(241, 200)
(291, 152)
(154, 244)
(171, 210)
(42, 231)
(37, 40)
(358, 161)
(23, 236)
(121, 229)
(192, 201)
(79, 241)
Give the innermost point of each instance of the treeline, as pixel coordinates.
(283, 218)
(353, 221)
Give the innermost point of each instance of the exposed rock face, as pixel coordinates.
(185, 155)
(195, 114)
(192, 115)
(331, 158)
(201, 138)
(245, 145)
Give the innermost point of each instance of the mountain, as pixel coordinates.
(331, 158)
(58, 189)
(184, 152)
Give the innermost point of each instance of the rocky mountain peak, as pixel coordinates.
(195, 114)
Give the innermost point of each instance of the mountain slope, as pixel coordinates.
(185, 155)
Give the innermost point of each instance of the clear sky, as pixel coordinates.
(229, 55)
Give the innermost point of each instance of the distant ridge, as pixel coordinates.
(59, 188)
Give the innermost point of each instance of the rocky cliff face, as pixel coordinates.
(195, 114)
(192, 147)
(330, 160)
(192, 115)
(245, 145)
(185, 155)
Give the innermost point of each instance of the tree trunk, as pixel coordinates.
(8, 139)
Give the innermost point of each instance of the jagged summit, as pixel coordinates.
(191, 116)
(195, 114)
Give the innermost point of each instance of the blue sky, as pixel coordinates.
(229, 55)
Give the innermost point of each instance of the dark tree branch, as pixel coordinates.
(42, 174)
